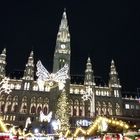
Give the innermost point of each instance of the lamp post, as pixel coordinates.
(89, 95)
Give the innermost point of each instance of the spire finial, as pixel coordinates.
(64, 14)
(4, 51)
(88, 60)
(31, 54)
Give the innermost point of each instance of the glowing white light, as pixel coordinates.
(55, 125)
(103, 126)
(88, 94)
(45, 118)
(36, 130)
(28, 121)
(5, 86)
(58, 77)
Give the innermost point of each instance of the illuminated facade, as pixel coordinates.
(27, 99)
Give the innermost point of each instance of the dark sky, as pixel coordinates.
(101, 29)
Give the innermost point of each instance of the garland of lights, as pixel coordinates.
(44, 77)
(5, 86)
(94, 127)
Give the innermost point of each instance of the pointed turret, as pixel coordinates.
(89, 78)
(62, 49)
(63, 33)
(114, 80)
(3, 63)
(29, 70)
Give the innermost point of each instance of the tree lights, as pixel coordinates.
(62, 112)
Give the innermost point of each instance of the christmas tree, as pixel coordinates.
(63, 112)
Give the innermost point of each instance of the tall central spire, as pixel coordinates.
(63, 33)
(62, 48)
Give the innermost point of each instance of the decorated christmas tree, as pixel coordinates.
(63, 112)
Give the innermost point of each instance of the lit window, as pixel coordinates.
(7, 118)
(12, 86)
(81, 91)
(18, 86)
(26, 86)
(132, 106)
(116, 93)
(35, 87)
(76, 91)
(11, 118)
(107, 93)
(71, 90)
(102, 93)
(47, 88)
(14, 118)
(127, 106)
(97, 92)
(137, 107)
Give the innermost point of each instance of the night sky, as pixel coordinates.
(101, 29)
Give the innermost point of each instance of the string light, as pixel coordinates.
(45, 77)
(95, 126)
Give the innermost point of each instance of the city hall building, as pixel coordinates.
(27, 99)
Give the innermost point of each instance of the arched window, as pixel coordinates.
(61, 62)
(33, 105)
(33, 100)
(35, 87)
(71, 107)
(23, 108)
(46, 106)
(15, 108)
(8, 104)
(17, 86)
(15, 104)
(2, 103)
(82, 109)
(33, 109)
(104, 110)
(88, 114)
(45, 110)
(118, 109)
(98, 108)
(39, 108)
(110, 112)
(46, 100)
(76, 106)
(74, 111)
(9, 108)
(40, 100)
(2, 107)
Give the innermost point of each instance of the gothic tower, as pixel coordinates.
(2, 63)
(62, 49)
(114, 80)
(90, 86)
(28, 76)
(89, 77)
(29, 70)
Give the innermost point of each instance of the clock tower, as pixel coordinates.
(62, 49)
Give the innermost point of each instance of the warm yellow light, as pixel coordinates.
(113, 122)
(2, 125)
